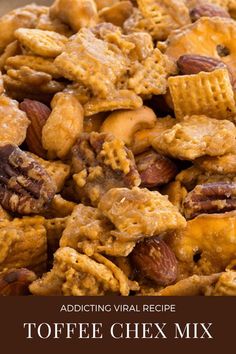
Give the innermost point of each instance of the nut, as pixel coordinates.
(207, 10)
(189, 64)
(38, 114)
(155, 169)
(16, 281)
(25, 187)
(217, 197)
(155, 260)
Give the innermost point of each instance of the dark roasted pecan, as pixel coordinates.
(155, 260)
(155, 169)
(217, 197)
(101, 162)
(25, 187)
(38, 114)
(207, 10)
(16, 282)
(190, 64)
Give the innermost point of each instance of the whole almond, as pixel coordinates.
(38, 114)
(16, 282)
(190, 64)
(155, 169)
(155, 260)
(208, 10)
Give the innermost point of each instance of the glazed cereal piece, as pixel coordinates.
(36, 63)
(76, 13)
(105, 3)
(225, 165)
(150, 76)
(29, 76)
(218, 98)
(117, 13)
(209, 36)
(54, 228)
(158, 17)
(89, 231)
(176, 193)
(226, 285)
(101, 162)
(197, 136)
(46, 23)
(142, 139)
(57, 170)
(13, 122)
(196, 285)
(23, 244)
(15, 282)
(120, 99)
(93, 62)
(207, 245)
(47, 44)
(10, 50)
(23, 17)
(25, 186)
(140, 212)
(63, 126)
(78, 275)
(59, 208)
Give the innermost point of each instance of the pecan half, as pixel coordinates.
(155, 260)
(155, 169)
(25, 187)
(38, 114)
(189, 64)
(208, 10)
(217, 197)
(16, 282)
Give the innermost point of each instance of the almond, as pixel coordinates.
(208, 10)
(38, 114)
(16, 282)
(155, 260)
(155, 169)
(190, 64)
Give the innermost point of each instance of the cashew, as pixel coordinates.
(124, 124)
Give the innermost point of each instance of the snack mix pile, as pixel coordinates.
(118, 148)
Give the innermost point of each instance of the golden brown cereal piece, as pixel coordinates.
(80, 91)
(208, 93)
(15, 282)
(78, 275)
(225, 164)
(76, 13)
(23, 17)
(176, 193)
(10, 50)
(122, 99)
(43, 43)
(101, 162)
(54, 228)
(57, 170)
(207, 245)
(25, 187)
(142, 139)
(195, 285)
(140, 212)
(89, 231)
(117, 13)
(215, 197)
(226, 285)
(59, 208)
(13, 122)
(150, 76)
(93, 62)
(93, 123)
(158, 17)
(124, 124)
(46, 23)
(209, 36)
(189, 177)
(63, 126)
(23, 244)
(45, 65)
(197, 136)
(105, 3)
(29, 76)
